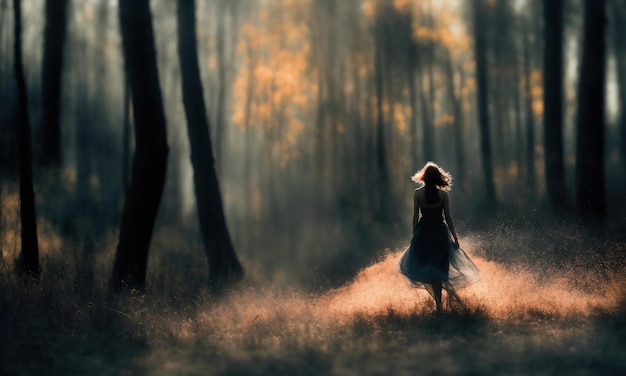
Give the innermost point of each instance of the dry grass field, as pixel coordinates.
(520, 318)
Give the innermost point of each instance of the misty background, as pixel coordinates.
(319, 112)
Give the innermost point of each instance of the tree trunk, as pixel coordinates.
(126, 142)
(553, 104)
(618, 11)
(458, 121)
(429, 126)
(483, 100)
(530, 121)
(427, 134)
(28, 263)
(380, 150)
(224, 267)
(517, 108)
(8, 134)
(590, 191)
(248, 155)
(150, 160)
(414, 112)
(55, 32)
(221, 88)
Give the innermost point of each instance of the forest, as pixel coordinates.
(224, 186)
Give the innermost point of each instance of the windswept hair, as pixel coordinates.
(433, 177)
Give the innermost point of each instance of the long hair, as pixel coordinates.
(433, 177)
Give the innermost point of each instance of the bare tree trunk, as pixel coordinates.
(618, 12)
(414, 112)
(458, 121)
(247, 129)
(221, 90)
(530, 121)
(519, 126)
(427, 134)
(224, 267)
(28, 263)
(553, 104)
(483, 100)
(150, 161)
(8, 134)
(590, 190)
(380, 149)
(126, 147)
(429, 126)
(55, 32)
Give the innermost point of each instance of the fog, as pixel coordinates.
(318, 112)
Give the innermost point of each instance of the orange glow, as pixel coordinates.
(444, 119)
(536, 82)
(401, 5)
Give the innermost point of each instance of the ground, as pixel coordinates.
(518, 319)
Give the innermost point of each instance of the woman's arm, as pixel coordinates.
(416, 209)
(446, 212)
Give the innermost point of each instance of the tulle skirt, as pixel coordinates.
(433, 258)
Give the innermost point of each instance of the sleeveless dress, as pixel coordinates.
(433, 256)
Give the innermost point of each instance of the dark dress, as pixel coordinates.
(433, 256)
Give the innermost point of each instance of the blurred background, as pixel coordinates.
(320, 112)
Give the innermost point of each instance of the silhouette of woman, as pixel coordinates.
(433, 260)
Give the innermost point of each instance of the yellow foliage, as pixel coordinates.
(284, 86)
(400, 118)
(363, 71)
(368, 7)
(421, 32)
(536, 77)
(348, 87)
(447, 38)
(386, 106)
(468, 86)
(444, 119)
(538, 107)
(469, 66)
(401, 5)
(536, 92)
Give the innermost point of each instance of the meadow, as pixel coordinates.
(546, 310)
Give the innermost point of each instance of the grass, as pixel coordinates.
(55, 328)
(529, 314)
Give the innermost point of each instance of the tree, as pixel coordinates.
(8, 135)
(618, 13)
(224, 267)
(28, 263)
(590, 191)
(483, 100)
(459, 152)
(150, 160)
(553, 103)
(55, 32)
(530, 116)
(380, 147)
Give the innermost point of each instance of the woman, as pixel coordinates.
(433, 260)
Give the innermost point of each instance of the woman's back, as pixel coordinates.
(433, 260)
(430, 210)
